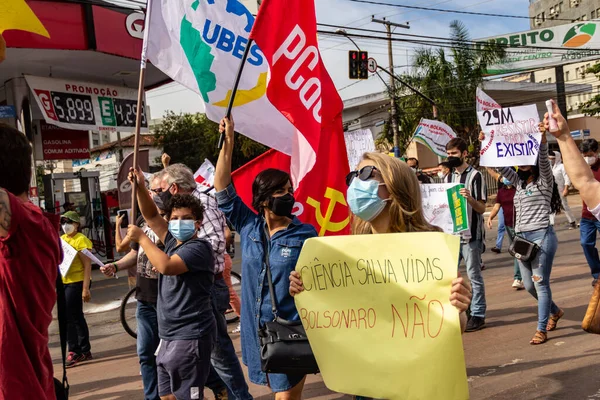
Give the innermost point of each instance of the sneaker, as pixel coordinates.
(74, 359)
(475, 324)
(573, 225)
(496, 250)
(518, 284)
(238, 329)
(87, 356)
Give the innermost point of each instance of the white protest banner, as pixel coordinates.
(512, 136)
(435, 205)
(358, 142)
(434, 134)
(485, 102)
(205, 175)
(69, 254)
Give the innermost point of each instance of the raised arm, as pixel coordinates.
(544, 162)
(122, 244)
(223, 168)
(579, 172)
(147, 206)
(164, 264)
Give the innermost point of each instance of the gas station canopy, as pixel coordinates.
(84, 41)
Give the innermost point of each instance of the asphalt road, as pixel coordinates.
(501, 364)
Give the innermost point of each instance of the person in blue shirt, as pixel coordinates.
(273, 201)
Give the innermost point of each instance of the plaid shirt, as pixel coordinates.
(213, 228)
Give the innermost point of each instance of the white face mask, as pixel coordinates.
(441, 175)
(68, 228)
(590, 160)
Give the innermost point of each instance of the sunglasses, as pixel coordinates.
(365, 173)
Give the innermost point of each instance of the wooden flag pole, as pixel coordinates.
(138, 114)
(235, 88)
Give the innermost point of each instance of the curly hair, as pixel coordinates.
(185, 201)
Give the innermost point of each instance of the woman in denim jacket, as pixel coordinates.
(273, 201)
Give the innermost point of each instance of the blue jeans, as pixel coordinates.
(536, 273)
(587, 232)
(501, 229)
(147, 342)
(471, 252)
(224, 359)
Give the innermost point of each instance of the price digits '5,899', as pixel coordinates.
(73, 108)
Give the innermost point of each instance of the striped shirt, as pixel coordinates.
(532, 202)
(213, 228)
(474, 182)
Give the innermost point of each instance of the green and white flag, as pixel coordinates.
(200, 44)
(434, 134)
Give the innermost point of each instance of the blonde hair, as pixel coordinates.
(405, 206)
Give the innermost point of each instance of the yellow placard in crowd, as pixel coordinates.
(377, 313)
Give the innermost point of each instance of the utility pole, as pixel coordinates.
(388, 27)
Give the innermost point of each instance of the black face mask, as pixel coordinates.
(165, 196)
(524, 175)
(282, 206)
(454, 162)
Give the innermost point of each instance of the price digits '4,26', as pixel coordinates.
(126, 111)
(73, 108)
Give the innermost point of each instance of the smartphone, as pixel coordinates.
(125, 215)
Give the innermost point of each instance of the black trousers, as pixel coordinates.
(78, 335)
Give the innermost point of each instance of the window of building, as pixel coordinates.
(560, 6)
(566, 75)
(584, 17)
(96, 142)
(549, 80)
(593, 14)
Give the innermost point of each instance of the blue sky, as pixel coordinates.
(334, 50)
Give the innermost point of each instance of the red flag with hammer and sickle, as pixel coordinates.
(300, 87)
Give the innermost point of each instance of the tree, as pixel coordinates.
(190, 138)
(448, 76)
(592, 106)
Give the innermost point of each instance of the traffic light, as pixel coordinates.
(363, 65)
(353, 64)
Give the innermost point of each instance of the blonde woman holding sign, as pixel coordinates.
(384, 197)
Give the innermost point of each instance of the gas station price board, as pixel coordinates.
(86, 106)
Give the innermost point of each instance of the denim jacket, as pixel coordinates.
(256, 300)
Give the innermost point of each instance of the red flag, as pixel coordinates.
(302, 90)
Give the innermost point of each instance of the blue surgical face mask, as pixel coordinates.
(506, 182)
(363, 199)
(182, 229)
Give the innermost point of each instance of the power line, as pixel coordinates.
(379, 3)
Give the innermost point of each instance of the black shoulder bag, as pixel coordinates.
(522, 249)
(61, 388)
(284, 346)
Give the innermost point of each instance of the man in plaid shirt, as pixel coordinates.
(179, 179)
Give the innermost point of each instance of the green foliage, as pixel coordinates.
(592, 106)
(190, 138)
(448, 76)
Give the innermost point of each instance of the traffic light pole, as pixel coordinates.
(388, 27)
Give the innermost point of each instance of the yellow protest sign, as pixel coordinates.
(377, 313)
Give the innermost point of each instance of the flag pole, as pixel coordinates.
(138, 115)
(235, 88)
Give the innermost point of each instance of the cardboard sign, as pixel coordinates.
(434, 134)
(69, 254)
(358, 142)
(512, 136)
(377, 313)
(435, 205)
(458, 208)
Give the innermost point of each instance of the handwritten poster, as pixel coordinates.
(458, 208)
(377, 313)
(435, 205)
(358, 142)
(69, 254)
(434, 134)
(512, 136)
